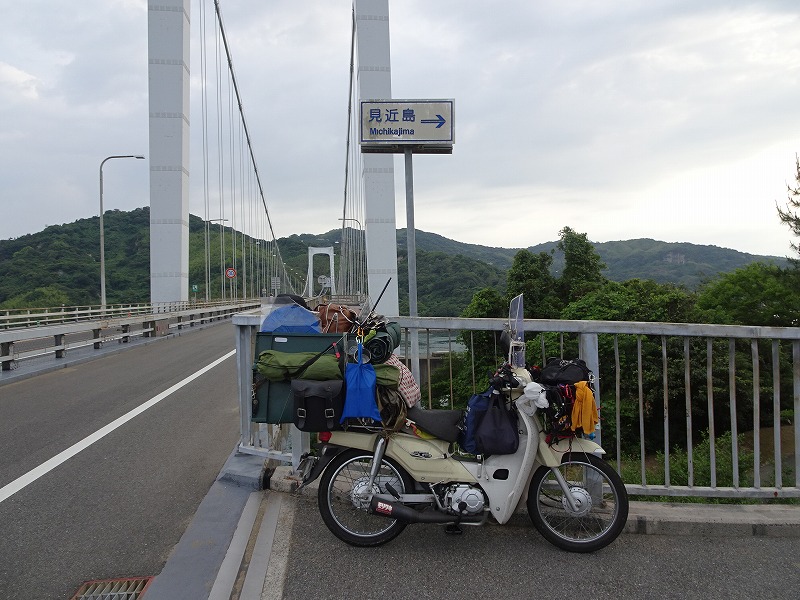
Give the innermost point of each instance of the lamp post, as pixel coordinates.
(102, 232)
(221, 258)
(347, 262)
(208, 258)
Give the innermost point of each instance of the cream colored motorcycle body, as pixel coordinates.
(374, 484)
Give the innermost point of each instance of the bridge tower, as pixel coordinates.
(380, 228)
(168, 74)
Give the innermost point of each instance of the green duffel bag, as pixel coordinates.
(387, 375)
(282, 366)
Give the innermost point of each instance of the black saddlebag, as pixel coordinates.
(317, 405)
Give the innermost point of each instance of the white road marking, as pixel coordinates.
(21, 482)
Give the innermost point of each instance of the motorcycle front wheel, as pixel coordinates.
(344, 498)
(600, 507)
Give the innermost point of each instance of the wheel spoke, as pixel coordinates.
(348, 497)
(596, 513)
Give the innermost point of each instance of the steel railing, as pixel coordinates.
(40, 332)
(37, 317)
(716, 379)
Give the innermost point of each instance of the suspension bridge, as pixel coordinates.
(116, 456)
(243, 258)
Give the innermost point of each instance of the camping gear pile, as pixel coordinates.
(354, 380)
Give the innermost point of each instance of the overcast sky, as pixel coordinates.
(670, 119)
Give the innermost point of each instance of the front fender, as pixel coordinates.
(552, 454)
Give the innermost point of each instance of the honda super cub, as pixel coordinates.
(374, 483)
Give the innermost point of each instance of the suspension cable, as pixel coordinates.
(218, 12)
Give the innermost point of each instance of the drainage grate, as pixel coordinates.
(131, 588)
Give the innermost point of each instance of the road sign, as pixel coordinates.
(392, 125)
(230, 272)
(195, 288)
(276, 283)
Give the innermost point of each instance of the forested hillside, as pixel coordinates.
(60, 265)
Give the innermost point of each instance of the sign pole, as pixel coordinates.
(411, 249)
(408, 126)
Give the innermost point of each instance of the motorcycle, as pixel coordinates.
(374, 483)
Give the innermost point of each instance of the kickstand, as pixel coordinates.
(453, 529)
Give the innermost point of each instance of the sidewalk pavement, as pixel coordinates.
(237, 543)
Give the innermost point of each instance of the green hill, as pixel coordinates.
(60, 265)
(664, 262)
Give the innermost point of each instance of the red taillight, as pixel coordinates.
(324, 436)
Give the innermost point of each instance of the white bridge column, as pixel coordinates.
(168, 71)
(308, 290)
(380, 228)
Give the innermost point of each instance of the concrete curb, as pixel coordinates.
(244, 470)
(651, 518)
(714, 520)
(197, 560)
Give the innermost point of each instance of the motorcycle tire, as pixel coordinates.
(600, 497)
(344, 500)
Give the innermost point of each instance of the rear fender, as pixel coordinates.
(327, 452)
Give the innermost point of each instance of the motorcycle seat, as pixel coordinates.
(444, 424)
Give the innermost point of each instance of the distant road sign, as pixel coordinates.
(195, 288)
(230, 272)
(391, 125)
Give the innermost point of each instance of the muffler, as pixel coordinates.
(401, 512)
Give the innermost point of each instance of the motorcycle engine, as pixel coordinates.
(464, 500)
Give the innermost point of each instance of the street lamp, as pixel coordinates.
(102, 233)
(351, 219)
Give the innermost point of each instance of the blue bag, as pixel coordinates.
(361, 385)
(476, 409)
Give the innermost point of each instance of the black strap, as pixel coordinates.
(329, 413)
(301, 412)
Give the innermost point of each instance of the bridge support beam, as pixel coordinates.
(168, 74)
(380, 228)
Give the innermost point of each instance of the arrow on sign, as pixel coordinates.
(439, 119)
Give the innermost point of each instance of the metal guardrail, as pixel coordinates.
(36, 317)
(92, 326)
(697, 347)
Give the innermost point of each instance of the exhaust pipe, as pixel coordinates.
(401, 512)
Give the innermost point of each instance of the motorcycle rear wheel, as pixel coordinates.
(344, 500)
(600, 496)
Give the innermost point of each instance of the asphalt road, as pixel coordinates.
(515, 562)
(117, 508)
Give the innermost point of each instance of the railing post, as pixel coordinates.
(588, 351)
(59, 343)
(5, 351)
(244, 368)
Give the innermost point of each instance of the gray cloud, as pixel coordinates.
(597, 115)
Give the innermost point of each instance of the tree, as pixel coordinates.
(482, 345)
(790, 216)
(530, 275)
(633, 300)
(758, 294)
(582, 266)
